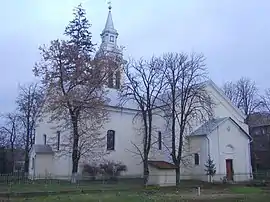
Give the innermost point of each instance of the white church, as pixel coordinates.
(225, 138)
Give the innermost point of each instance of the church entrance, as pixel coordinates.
(229, 169)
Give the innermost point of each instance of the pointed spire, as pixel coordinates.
(109, 27)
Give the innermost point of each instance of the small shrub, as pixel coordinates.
(112, 169)
(91, 170)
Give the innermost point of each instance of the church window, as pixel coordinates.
(117, 79)
(58, 140)
(45, 139)
(196, 159)
(110, 79)
(111, 38)
(110, 140)
(159, 140)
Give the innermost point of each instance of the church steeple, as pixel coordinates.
(109, 34)
(111, 51)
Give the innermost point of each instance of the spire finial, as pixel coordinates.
(110, 5)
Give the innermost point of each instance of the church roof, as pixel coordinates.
(109, 27)
(42, 149)
(212, 124)
(162, 164)
(114, 101)
(208, 127)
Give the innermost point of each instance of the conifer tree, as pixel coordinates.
(210, 168)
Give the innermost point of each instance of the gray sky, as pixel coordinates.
(234, 35)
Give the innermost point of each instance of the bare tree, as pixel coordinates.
(185, 101)
(74, 83)
(29, 102)
(11, 131)
(265, 101)
(144, 84)
(243, 94)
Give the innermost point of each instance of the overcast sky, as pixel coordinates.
(234, 35)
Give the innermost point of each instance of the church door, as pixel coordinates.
(229, 169)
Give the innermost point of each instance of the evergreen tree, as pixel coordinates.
(78, 32)
(210, 168)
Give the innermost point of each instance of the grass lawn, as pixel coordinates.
(245, 190)
(63, 186)
(137, 197)
(130, 192)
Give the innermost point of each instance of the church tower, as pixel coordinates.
(110, 50)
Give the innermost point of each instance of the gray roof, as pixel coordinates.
(208, 127)
(42, 149)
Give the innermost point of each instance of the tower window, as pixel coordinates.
(110, 140)
(111, 38)
(117, 80)
(110, 79)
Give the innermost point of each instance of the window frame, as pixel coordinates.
(112, 134)
(111, 38)
(196, 159)
(45, 139)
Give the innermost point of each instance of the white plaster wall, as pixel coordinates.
(219, 139)
(198, 144)
(153, 178)
(167, 177)
(61, 165)
(223, 108)
(127, 135)
(161, 177)
(44, 166)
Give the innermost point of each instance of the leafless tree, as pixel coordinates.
(243, 94)
(30, 101)
(265, 102)
(10, 132)
(74, 83)
(143, 85)
(185, 101)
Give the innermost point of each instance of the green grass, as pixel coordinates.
(137, 197)
(245, 190)
(37, 187)
(131, 192)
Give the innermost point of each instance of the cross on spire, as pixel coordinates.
(110, 4)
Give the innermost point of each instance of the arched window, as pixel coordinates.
(229, 148)
(196, 159)
(110, 140)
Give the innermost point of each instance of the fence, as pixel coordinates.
(164, 180)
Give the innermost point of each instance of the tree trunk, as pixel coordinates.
(26, 159)
(12, 157)
(75, 156)
(177, 174)
(145, 172)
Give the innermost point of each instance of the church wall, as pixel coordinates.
(127, 138)
(229, 142)
(197, 145)
(224, 109)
